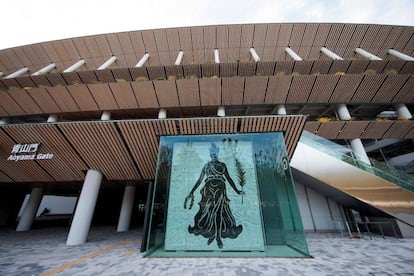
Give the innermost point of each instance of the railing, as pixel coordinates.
(377, 168)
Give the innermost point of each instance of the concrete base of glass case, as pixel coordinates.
(229, 195)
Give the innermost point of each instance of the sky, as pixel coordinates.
(32, 21)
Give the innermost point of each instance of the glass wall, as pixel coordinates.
(225, 195)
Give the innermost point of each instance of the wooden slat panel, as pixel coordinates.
(284, 67)
(323, 88)
(121, 74)
(210, 92)
(376, 129)
(210, 70)
(23, 99)
(330, 130)
(232, 90)
(25, 82)
(368, 87)
(277, 89)
(333, 36)
(345, 88)
(156, 73)
(357, 67)
(192, 70)
(228, 69)
(297, 34)
(83, 98)
(321, 66)
(138, 74)
(405, 95)
(390, 88)
(44, 100)
(71, 78)
(398, 130)
(300, 89)
(9, 104)
(255, 90)
(63, 99)
(87, 76)
(312, 126)
(302, 67)
(103, 96)
(108, 155)
(284, 35)
(166, 92)
(353, 130)
(104, 75)
(145, 94)
(123, 94)
(265, 68)
(188, 92)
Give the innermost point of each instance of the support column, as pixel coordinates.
(126, 209)
(82, 219)
(106, 115)
(330, 54)
(366, 54)
(400, 55)
(281, 109)
(52, 118)
(356, 144)
(107, 63)
(179, 58)
(162, 113)
(292, 54)
(44, 70)
(17, 73)
(403, 111)
(216, 56)
(4, 121)
(359, 149)
(29, 212)
(75, 66)
(255, 56)
(142, 61)
(221, 111)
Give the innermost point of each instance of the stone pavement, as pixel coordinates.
(43, 252)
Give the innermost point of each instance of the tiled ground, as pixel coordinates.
(43, 252)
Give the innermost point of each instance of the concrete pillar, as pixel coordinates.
(4, 121)
(17, 73)
(255, 56)
(82, 219)
(292, 54)
(126, 209)
(107, 63)
(221, 111)
(142, 61)
(330, 54)
(179, 58)
(281, 109)
(356, 144)
(400, 55)
(343, 112)
(359, 149)
(366, 54)
(29, 212)
(75, 66)
(44, 70)
(52, 118)
(106, 115)
(403, 111)
(162, 113)
(216, 56)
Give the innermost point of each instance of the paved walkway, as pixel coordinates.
(43, 252)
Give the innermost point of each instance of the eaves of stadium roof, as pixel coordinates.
(198, 85)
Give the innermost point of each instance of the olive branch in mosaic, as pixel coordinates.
(241, 175)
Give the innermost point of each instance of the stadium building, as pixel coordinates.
(227, 140)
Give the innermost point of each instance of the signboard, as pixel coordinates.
(21, 152)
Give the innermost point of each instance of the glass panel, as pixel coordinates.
(225, 195)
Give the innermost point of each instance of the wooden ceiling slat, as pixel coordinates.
(353, 129)
(333, 36)
(192, 70)
(156, 72)
(330, 130)
(357, 67)
(277, 89)
(265, 68)
(87, 76)
(25, 82)
(105, 75)
(246, 69)
(166, 92)
(312, 126)
(232, 90)
(228, 69)
(284, 67)
(255, 90)
(103, 96)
